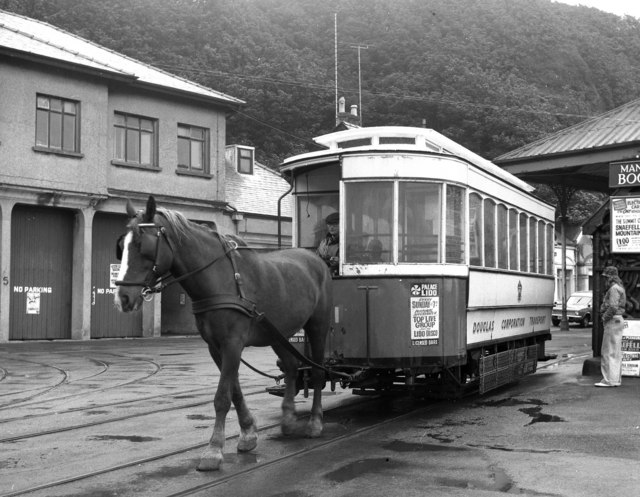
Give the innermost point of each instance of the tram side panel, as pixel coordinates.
(504, 307)
(408, 322)
(509, 318)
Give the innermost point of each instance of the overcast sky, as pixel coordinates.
(619, 7)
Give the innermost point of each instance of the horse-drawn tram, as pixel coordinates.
(444, 280)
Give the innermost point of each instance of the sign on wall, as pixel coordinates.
(624, 174)
(625, 224)
(631, 348)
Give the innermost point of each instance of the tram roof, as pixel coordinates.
(396, 139)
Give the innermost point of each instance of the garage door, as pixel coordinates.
(106, 320)
(41, 273)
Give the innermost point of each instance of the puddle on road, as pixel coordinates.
(500, 483)
(509, 402)
(362, 467)
(128, 438)
(536, 414)
(539, 417)
(401, 446)
(200, 417)
(292, 493)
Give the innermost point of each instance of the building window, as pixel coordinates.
(193, 146)
(245, 160)
(136, 140)
(57, 124)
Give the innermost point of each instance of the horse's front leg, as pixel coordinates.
(248, 439)
(213, 454)
(228, 362)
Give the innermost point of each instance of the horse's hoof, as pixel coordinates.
(289, 426)
(248, 443)
(210, 462)
(314, 430)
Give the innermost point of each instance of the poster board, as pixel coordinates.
(631, 348)
(625, 225)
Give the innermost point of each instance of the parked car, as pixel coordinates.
(578, 309)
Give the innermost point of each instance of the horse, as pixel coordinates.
(232, 290)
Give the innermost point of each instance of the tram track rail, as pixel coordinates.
(40, 391)
(23, 402)
(118, 418)
(217, 477)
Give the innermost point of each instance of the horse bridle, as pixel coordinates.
(150, 250)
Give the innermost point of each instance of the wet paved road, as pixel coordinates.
(107, 402)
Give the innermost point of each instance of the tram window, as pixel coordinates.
(533, 245)
(368, 222)
(513, 239)
(475, 229)
(489, 233)
(524, 242)
(541, 247)
(550, 240)
(419, 214)
(455, 225)
(503, 238)
(396, 140)
(360, 142)
(312, 211)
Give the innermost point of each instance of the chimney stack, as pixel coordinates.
(350, 117)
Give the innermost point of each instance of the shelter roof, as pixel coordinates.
(580, 155)
(28, 38)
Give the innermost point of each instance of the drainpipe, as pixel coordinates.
(280, 211)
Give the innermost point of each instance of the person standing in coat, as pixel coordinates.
(611, 310)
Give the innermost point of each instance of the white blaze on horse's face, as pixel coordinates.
(124, 267)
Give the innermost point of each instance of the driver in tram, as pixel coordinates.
(328, 248)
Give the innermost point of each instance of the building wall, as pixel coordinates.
(168, 179)
(20, 164)
(88, 183)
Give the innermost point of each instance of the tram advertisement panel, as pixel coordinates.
(625, 224)
(425, 316)
(631, 348)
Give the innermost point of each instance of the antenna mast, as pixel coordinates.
(335, 44)
(359, 47)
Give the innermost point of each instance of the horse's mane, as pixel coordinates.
(180, 224)
(184, 228)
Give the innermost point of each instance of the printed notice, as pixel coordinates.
(631, 348)
(33, 302)
(625, 224)
(424, 308)
(114, 270)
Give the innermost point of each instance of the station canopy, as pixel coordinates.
(579, 156)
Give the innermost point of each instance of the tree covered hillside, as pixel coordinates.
(490, 74)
